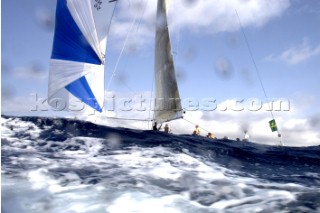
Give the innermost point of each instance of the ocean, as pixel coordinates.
(63, 165)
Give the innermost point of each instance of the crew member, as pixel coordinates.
(197, 130)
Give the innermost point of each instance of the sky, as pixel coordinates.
(212, 43)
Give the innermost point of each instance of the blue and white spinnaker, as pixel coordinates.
(77, 60)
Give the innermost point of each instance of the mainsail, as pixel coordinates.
(77, 60)
(167, 99)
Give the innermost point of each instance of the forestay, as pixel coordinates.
(167, 99)
(77, 60)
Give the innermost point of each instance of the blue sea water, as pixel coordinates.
(64, 165)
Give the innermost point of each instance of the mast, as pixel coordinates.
(167, 105)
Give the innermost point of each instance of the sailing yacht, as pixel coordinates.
(77, 60)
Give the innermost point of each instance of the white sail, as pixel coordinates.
(167, 99)
(77, 60)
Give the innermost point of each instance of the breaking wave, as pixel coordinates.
(64, 165)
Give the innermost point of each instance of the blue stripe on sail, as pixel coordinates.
(81, 89)
(69, 43)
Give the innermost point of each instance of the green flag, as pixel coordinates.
(273, 125)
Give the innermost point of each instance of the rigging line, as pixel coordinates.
(104, 75)
(152, 85)
(108, 29)
(122, 50)
(195, 124)
(253, 60)
(113, 13)
(138, 27)
(257, 71)
(120, 55)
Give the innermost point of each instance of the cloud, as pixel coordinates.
(297, 54)
(303, 7)
(218, 16)
(31, 104)
(231, 122)
(7, 91)
(295, 131)
(138, 17)
(34, 70)
(300, 132)
(314, 121)
(18, 104)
